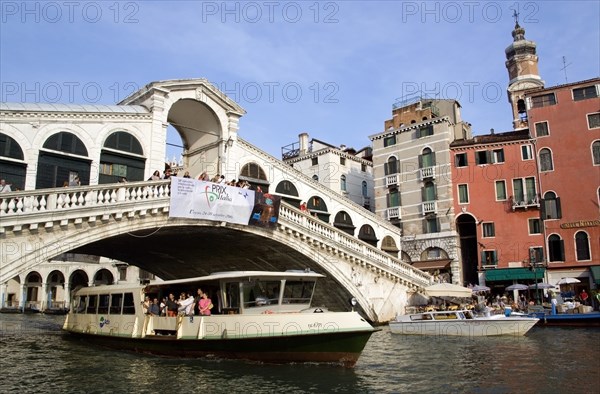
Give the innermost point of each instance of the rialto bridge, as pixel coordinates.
(130, 223)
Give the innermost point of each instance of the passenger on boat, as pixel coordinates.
(146, 305)
(205, 305)
(186, 307)
(197, 301)
(171, 306)
(154, 308)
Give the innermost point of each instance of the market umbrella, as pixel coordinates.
(517, 286)
(477, 288)
(448, 290)
(542, 285)
(566, 281)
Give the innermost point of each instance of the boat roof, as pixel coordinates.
(242, 275)
(293, 274)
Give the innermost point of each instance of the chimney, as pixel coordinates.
(303, 143)
(342, 147)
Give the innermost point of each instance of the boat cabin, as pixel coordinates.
(240, 292)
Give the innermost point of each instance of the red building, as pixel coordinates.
(527, 201)
(498, 207)
(565, 124)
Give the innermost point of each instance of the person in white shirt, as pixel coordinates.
(187, 306)
(4, 187)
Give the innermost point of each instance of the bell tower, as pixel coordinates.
(523, 74)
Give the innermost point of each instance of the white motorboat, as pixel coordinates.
(256, 315)
(460, 323)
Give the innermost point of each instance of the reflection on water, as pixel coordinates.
(35, 356)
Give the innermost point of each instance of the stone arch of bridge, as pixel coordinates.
(177, 248)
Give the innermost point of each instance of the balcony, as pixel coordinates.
(429, 207)
(391, 180)
(525, 202)
(427, 173)
(393, 213)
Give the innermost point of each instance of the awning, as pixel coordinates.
(499, 274)
(432, 264)
(595, 270)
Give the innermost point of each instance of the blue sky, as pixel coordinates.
(332, 69)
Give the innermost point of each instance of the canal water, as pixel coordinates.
(37, 357)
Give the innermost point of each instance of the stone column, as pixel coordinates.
(3, 294)
(67, 296)
(22, 296)
(44, 301)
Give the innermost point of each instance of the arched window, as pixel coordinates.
(596, 153)
(316, 206)
(66, 142)
(9, 147)
(556, 248)
(367, 234)
(255, 175)
(551, 206)
(427, 158)
(289, 193)
(546, 160)
(121, 157)
(582, 246)
(286, 187)
(253, 171)
(55, 168)
(429, 192)
(343, 221)
(388, 245)
(343, 183)
(13, 172)
(391, 167)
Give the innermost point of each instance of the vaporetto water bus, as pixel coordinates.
(256, 315)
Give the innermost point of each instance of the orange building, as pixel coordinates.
(565, 123)
(498, 208)
(527, 201)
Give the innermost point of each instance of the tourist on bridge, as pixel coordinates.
(4, 187)
(155, 176)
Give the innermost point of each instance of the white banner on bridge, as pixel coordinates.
(210, 201)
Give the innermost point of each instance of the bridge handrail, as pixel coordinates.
(78, 197)
(42, 200)
(322, 188)
(351, 243)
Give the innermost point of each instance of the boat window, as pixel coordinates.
(232, 295)
(103, 300)
(298, 292)
(115, 304)
(444, 316)
(128, 305)
(261, 292)
(425, 316)
(79, 306)
(91, 307)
